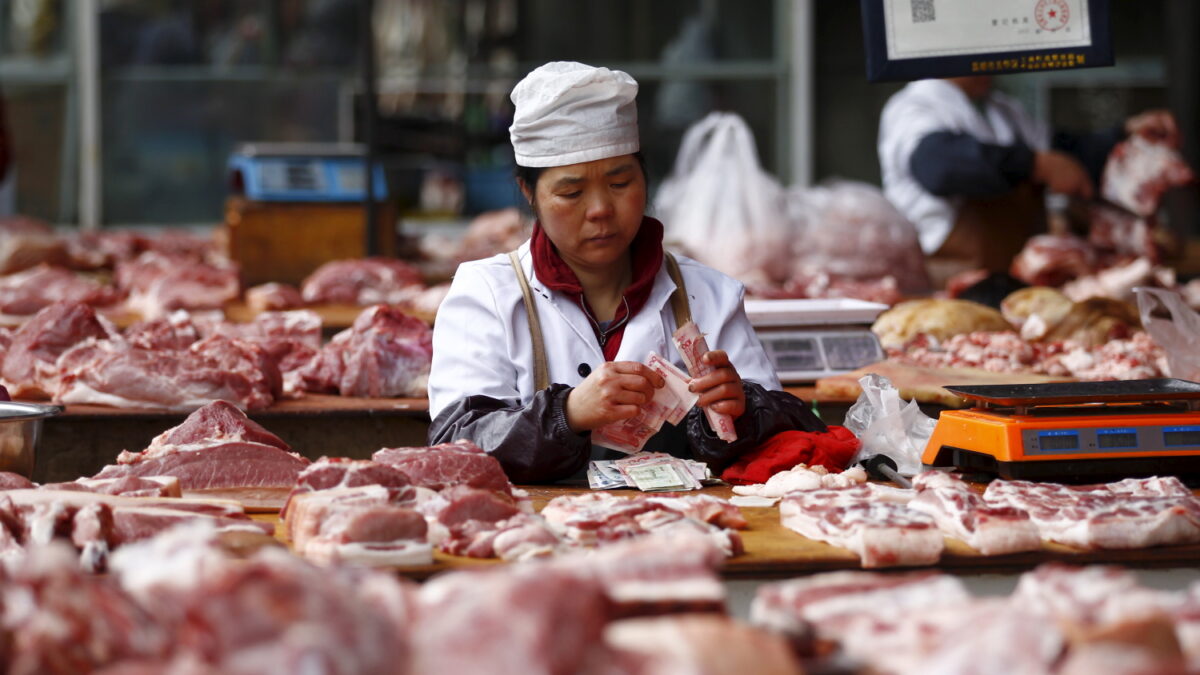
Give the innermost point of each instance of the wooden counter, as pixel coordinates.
(773, 551)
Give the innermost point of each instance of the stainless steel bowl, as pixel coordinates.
(20, 429)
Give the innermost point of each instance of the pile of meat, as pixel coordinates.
(397, 507)
(181, 603)
(122, 273)
(71, 354)
(1062, 620)
(1039, 331)
(150, 276)
(1125, 246)
(1136, 357)
(886, 526)
(98, 515)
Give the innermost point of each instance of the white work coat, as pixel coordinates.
(482, 345)
(929, 106)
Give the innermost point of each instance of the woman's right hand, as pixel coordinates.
(1062, 173)
(615, 391)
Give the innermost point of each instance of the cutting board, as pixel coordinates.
(922, 384)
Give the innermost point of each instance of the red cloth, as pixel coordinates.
(647, 252)
(833, 450)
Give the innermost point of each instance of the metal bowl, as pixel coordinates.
(20, 429)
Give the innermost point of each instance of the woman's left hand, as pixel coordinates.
(722, 388)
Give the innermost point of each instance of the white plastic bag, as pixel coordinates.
(850, 230)
(887, 425)
(721, 208)
(1175, 327)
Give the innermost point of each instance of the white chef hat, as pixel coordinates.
(568, 112)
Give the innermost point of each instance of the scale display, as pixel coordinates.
(1143, 439)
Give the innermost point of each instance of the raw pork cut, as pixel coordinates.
(468, 619)
(385, 353)
(172, 332)
(368, 525)
(31, 362)
(93, 249)
(1121, 515)
(28, 292)
(217, 422)
(214, 369)
(217, 451)
(1053, 260)
(1139, 171)
(872, 522)
(159, 283)
(597, 519)
(962, 513)
(273, 297)
(365, 281)
(26, 242)
(442, 466)
(339, 472)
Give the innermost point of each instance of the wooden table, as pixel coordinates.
(85, 438)
(775, 552)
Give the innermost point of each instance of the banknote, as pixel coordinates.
(692, 346)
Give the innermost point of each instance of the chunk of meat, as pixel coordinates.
(442, 466)
(214, 369)
(339, 472)
(963, 514)
(881, 533)
(28, 292)
(1139, 171)
(217, 422)
(365, 524)
(31, 362)
(1053, 260)
(273, 297)
(366, 281)
(385, 353)
(159, 283)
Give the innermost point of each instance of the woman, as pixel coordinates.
(603, 300)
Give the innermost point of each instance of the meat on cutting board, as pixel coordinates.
(365, 281)
(31, 362)
(448, 464)
(216, 368)
(1122, 515)
(368, 524)
(881, 531)
(159, 283)
(217, 422)
(963, 514)
(384, 353)
(339, 472)
(217, 452)
(26, 293)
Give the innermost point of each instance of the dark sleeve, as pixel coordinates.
(532, 442)
(1090, 149)
(949, 164)
(767, 413)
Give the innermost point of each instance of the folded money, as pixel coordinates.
(692, 347)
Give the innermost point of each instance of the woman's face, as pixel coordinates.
(591, 211)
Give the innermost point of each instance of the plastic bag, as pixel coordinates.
(887, 425)
(849, 229)
(722, 208)
(1174, 326)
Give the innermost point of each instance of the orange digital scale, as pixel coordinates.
(1072, 431)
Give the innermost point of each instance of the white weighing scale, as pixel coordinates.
(810, 339)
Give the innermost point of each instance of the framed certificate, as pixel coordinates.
(916, 39)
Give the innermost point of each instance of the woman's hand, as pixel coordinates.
(615, 391)
(722, 388)
(1156, 125)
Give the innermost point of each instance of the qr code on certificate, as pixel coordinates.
(923, 11)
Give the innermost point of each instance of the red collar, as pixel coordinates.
(647, 257)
